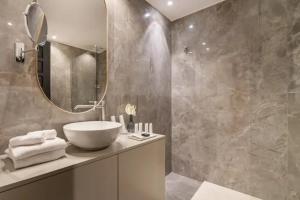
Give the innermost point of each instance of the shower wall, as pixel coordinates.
(75, 75)
(236, 97)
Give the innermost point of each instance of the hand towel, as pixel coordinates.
(37, 159)
(26, 140)
(47, 134)
(22, 152)
(139, 137)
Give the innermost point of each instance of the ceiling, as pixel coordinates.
(181, 8)
(77, 23)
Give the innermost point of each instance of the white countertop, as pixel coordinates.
(10, 178)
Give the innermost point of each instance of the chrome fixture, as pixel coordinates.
(187, 51)
(94, 105)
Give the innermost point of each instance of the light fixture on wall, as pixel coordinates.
(54, 37)
(191, 26)
(9, 23)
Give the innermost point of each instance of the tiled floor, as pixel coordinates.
(180, 187)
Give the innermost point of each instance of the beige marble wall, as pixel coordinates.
(230, 120)
(23, 107)
(140, 65)
(139, 72)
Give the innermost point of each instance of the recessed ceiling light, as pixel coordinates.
(147, 15)
(9, 24)
(170, 3)
(54, 37)
(191, 26)
(204, 43)
(207, 49)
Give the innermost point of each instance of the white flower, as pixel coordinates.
(130, 109)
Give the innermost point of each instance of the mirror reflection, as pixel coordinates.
(36, 23)
(72, 63)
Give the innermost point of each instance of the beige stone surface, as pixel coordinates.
(210, 191)
(10, 178)
(235, 107)
(139, 69)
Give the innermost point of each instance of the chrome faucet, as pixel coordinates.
(93, 106)
(101, 106)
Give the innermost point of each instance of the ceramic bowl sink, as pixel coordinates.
(93, 135)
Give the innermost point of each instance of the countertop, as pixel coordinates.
(75, 157)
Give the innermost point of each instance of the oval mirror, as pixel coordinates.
(71, 67)
(36, 23)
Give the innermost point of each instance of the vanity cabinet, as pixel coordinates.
(95, 181)
(137, 172)
(142, 173)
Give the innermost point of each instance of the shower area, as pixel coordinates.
(75, 77)
(236, 98)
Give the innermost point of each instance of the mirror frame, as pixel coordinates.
(106, 85)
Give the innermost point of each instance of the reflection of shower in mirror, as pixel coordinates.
(187, 51)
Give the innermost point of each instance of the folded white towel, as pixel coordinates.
(26, 140)
(37, 159)
(47, 134)
(22, 152)
(139, 137)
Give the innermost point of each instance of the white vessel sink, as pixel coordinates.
(93, 135)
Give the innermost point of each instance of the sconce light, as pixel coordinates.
(20, 52)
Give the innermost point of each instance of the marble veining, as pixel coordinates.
(139, 70)
(140, 65)
(234, 99)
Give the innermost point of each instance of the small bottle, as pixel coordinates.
(136, 128)
(140, 127)
(113, 118)
(124, 130)
(150, 128)
(146, 127)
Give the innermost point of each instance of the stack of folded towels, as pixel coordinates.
(35, 147)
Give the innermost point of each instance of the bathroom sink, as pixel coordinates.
(92, 135)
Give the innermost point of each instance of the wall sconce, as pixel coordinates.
(20, 51)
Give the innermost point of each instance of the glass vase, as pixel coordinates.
(130, 125)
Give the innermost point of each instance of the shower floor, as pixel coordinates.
(180, 187)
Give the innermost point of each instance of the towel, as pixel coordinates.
(139, 137)
(26, 140)
(22, 152)
(37, 159)
(47, 134)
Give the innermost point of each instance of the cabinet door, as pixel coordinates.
(142, 173)
(95, 181)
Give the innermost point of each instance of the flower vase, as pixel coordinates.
(130, 125)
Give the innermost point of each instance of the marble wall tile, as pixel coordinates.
(294, 103)
(233, 98)
(139, 65)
